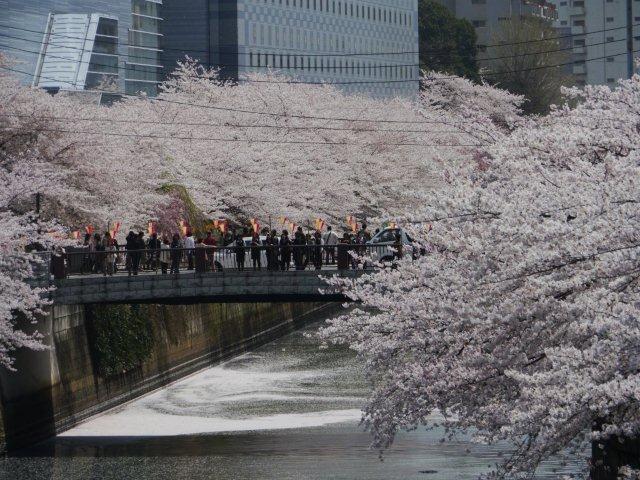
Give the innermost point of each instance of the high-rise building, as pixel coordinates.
(604, 37)
(76, 45)
(367, 46)
(486, 15)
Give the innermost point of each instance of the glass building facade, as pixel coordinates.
(106, 45)
(363, 46)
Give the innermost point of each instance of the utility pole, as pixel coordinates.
(630, 62)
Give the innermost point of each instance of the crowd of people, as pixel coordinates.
(268, 249)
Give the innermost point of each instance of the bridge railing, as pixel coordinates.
(80, 261)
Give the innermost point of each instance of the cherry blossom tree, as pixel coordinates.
(314, 151)
(42, 153)
(521, 323)
(23, 172)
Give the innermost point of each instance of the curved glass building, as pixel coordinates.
(104, 45)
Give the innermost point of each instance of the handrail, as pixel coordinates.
(80, 261)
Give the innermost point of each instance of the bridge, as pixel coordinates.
(188, 288)
(212, 275)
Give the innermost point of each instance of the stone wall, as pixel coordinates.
(55, 389)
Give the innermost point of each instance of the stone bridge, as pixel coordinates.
(189, 288)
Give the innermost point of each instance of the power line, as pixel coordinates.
(347, 67)
(359, 82)
(353, 67)
(495, 74)
(354, 54)
(242, 140)
(254, 112)
(204, 124)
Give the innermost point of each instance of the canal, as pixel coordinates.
(289, 410)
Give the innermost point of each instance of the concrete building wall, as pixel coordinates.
(310, 40)
(599, 37)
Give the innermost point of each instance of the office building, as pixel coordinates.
(486, 15)
(604, 36)
(84, 44)
(363, 46)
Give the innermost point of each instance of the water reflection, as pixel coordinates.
(234, 421)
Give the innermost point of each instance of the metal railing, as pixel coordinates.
(79, 261)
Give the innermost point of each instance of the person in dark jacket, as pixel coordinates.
(316, 241)
(227, 239)
(131, 253)
(256, 252)
(176, 254)
(239, 251)
(299, 241)
(343, 252)
(272, 251)
(285, 251)
(154, 250)
(200, 256)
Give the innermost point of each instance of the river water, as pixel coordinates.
(286, 411)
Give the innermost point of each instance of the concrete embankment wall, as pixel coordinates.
(55, 389)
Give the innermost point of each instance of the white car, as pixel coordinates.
(381, 247)
(226, 258)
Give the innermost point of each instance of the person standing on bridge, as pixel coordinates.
(285, 251)
(272, 251)
(200, 256)
(154, 246)
(256, 252)
(330, 240)
(210, 244)
(176, 254)
(109, 254)
(343, 252)
(240, 253)
(165, 255)
(299, 241)
(189, 244)
(316, 241)
(130, 246)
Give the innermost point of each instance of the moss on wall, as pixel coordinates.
(120, 338)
